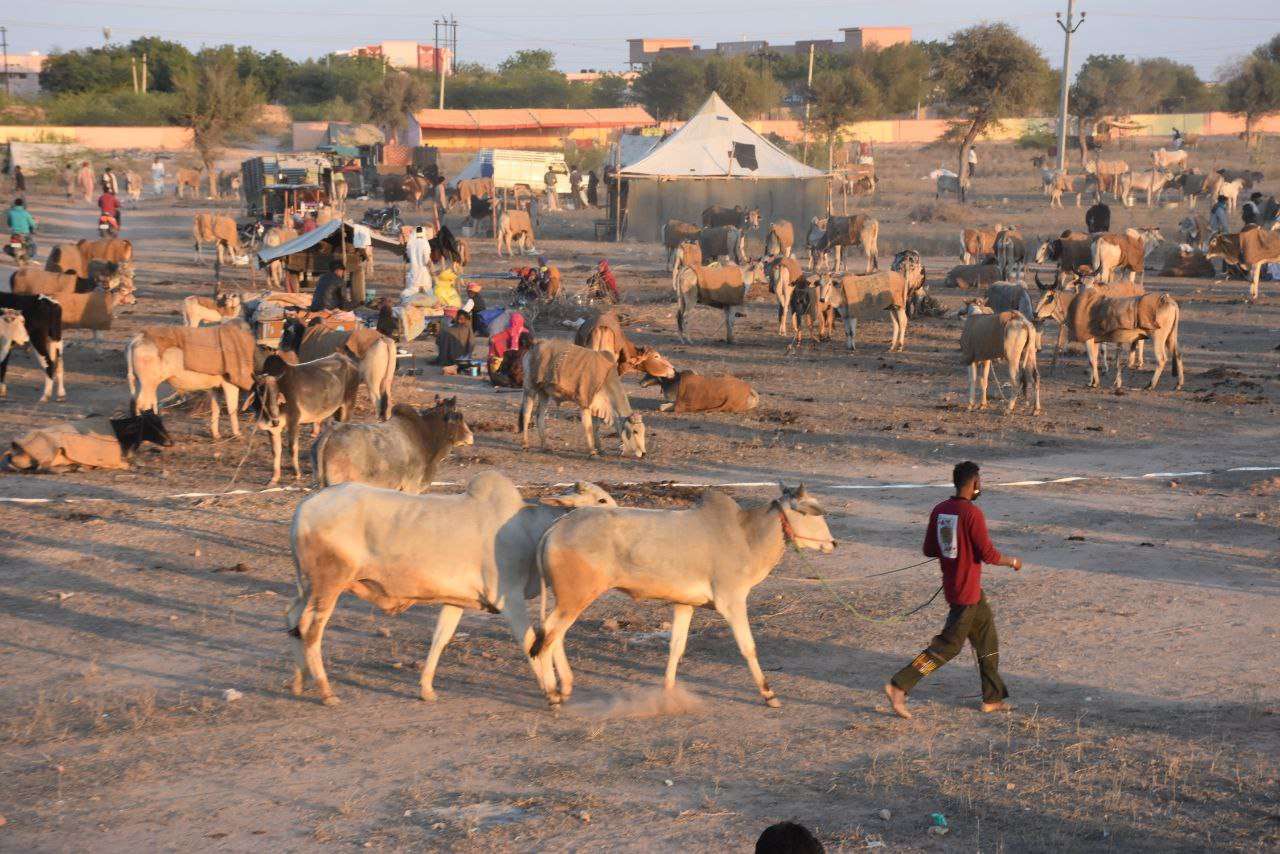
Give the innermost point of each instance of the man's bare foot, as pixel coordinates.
(897, 699)
(998, 706)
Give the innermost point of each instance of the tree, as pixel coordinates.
(215, 104)
(1105, 85)
(840, 97)
(389, 102)
(748, 91)
(1166, 86)
(1253, 91)
(989, 72)
(672, 87)
(528, 60)
(901, 72)
(91, 70)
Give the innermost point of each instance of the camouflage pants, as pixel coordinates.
(977, 625)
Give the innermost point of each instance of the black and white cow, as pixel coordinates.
(42, 317)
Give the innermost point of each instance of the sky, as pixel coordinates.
(1206, 36)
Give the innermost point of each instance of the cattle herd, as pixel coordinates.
(362, 531)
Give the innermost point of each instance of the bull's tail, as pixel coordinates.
(130, 375)
(384, 408)
(317, 460)
(539, 633)
(871, 242)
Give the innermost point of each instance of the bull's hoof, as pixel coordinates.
(1037, 411)
(273, 481)
(427, 696)
(331, 700)
(970, 408)
(295, 685)
(62, 396)
(773, 702)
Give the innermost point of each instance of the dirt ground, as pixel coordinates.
(1139, 643)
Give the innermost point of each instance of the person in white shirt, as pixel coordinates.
(417, 278)
(973, 162)
(157, 176)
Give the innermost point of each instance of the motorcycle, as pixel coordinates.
(386, 220)
(21, 247)
(108, 226)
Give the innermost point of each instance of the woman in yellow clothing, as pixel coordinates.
(446, 287)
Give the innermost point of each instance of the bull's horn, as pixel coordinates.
(1039, 284)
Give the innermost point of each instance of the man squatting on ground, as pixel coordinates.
(957, 536)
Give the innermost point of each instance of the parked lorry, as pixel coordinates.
(512, 169)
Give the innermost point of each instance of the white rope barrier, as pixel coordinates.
(747, 484)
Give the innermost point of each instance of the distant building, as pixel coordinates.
(590, 76)
(23, 75)
(402, 53)
(642, 52)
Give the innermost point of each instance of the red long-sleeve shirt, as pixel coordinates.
(957, 536)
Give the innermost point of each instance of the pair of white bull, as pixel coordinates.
(489, 550)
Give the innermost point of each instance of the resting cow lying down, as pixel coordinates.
(92, 442)
(687, 391)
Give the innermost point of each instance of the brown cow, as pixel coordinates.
(187, 178)
(515, 228)
(1128, 250)
(108, 251)
(1250, 248)
(220, 231)
(780, 239)
(978, 245)
(604, 334)
(1093, 318)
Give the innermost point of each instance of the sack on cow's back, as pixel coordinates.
(569, 371)
(721, 287)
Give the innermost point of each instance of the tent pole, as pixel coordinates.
(617, 192)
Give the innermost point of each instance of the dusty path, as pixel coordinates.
(1139, 643)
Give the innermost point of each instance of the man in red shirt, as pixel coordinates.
(957, 537)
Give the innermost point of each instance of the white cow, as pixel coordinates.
(710, 555)
(353, 538)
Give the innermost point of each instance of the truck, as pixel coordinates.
(512, 169)
(284, 184)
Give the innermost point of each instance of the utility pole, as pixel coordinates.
(808, 99)
(1068, 28)
(4, 42)
(446, 39)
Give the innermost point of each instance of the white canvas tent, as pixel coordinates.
(716, 158)
(705, 146)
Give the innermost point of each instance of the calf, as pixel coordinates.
(42, 320)
(289, 396)
(400, 453)
(359, 539)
